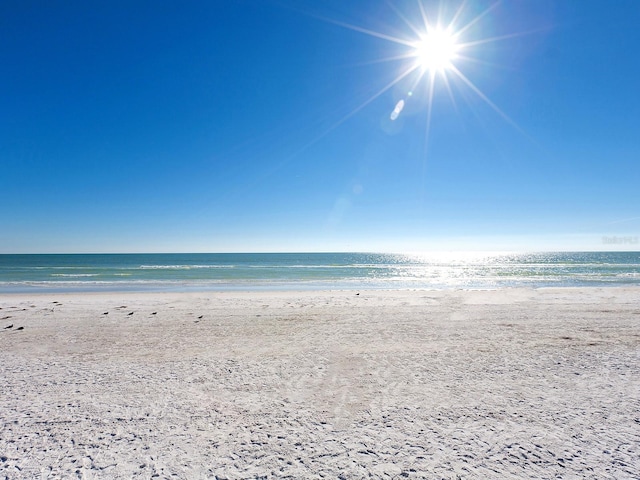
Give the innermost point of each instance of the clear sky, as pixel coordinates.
(265, 125)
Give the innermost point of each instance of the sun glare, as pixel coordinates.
(433, 50)
(436, 50)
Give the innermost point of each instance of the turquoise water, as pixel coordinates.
(178, 272)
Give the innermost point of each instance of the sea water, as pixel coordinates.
(225, 271)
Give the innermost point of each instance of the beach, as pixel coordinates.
(506, 383)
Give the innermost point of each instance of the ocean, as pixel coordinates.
(251, 271)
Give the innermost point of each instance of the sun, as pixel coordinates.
(436, 50)
(432, 54)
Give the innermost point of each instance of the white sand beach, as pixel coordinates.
(514, 383)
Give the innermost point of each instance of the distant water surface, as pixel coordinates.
(225, 271)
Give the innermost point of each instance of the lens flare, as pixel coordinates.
(396, 111)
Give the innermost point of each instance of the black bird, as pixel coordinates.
(154, 313)
(130, 314)
(106, 313)
(20, 328)
(201, 316)
(10, 326)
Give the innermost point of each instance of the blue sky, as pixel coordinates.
(244, 125)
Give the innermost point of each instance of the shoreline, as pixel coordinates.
(514, 382)
(256, 288)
